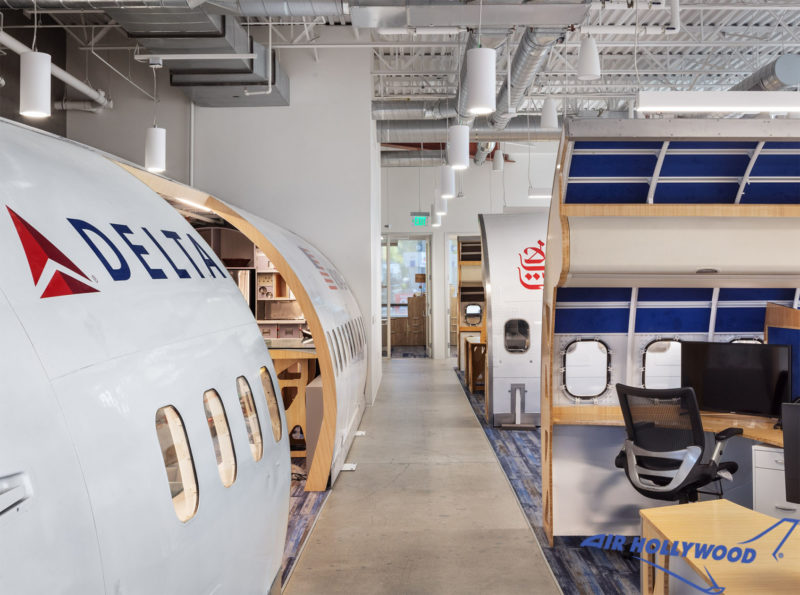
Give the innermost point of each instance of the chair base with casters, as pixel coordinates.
(667, 455)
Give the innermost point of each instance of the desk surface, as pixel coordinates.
(753, 427)
(293, 353)
(722, 522)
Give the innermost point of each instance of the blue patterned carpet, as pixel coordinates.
(578, 570)
(304, 508)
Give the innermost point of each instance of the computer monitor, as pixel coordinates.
(791, 450)
(745, 378)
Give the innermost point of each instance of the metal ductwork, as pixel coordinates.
(530, 58)
(286, 8)
(411, 158)
(775, 76)
(483, 151)
(98, 4)
(435, 131)
(431, 110)
(413, 110)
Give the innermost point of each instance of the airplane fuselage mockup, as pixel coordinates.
(142, 448)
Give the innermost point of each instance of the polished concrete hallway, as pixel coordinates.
(429, 509)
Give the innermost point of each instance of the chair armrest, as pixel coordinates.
(727, 433)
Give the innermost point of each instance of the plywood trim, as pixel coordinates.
(320, 470)
(682, 210)
(781, 316)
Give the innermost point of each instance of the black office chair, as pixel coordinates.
(667, 456)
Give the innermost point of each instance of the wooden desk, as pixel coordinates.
(722, 522)
(475, 363)
(295, 368)
(753, 427)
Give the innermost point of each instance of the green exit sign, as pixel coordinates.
(419, 218)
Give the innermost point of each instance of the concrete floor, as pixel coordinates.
(429, 509)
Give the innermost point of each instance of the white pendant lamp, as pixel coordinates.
(588, 60)
(549, 113)
(497, 160)
(155, 150)
(436, 220)
(447, 182)
(440, 206)
(458, 146)
(481, 81)
(34, 85)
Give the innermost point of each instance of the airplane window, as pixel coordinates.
(250, 417)
(586, 373)
(517, 336)
(332, 348)
(661, 364)
(177, 461)
(352, 336)
(220, 436)
(272, 404)
(337, 332)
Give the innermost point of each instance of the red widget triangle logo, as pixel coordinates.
(39, 250)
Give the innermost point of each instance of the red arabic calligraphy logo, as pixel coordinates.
(531, 261)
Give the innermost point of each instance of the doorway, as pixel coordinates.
(405, 300)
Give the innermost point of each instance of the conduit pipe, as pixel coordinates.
(435, 131)
(673, 27)
(81, 106)
(530, 58)
(95, 95)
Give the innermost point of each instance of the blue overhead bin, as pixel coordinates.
(684, 172)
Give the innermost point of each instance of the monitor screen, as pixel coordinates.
(791, 450)
(738, 377)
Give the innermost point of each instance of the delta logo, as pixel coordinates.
(63, 277)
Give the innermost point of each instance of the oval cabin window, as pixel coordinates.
(586, 372)
(250, 417)
(220, 437)
(272, 404)
(662, 364)
(177, 461)
(517, 336)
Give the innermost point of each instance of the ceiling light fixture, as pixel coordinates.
(732, 102)
(436, 220)
(34, 79)
(440, 206)
(481, 81)
(497, 159)
(447, 182)
(588, 60)
(458, 146)
(155, 146)
(549, 113)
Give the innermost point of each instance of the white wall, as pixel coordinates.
(483, 193)
(308, 167)
(121, 130)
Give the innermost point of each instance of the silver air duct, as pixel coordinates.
(775, 76)
(483, 151)
(98, 4)
(411, 158)
(435, 131)
(530, 58)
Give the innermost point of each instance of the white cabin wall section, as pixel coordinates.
(406, 189)
(121, 130)
(306, 167)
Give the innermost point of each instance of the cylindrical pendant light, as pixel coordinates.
(436, 220)
(549, 114)
(497, 159)
(588, 60)
(155, 150)
(440, 206)
(458, 146)
(447, 182)
(481, 81)
(34, 85)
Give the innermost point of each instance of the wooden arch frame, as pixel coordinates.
(319, 473)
